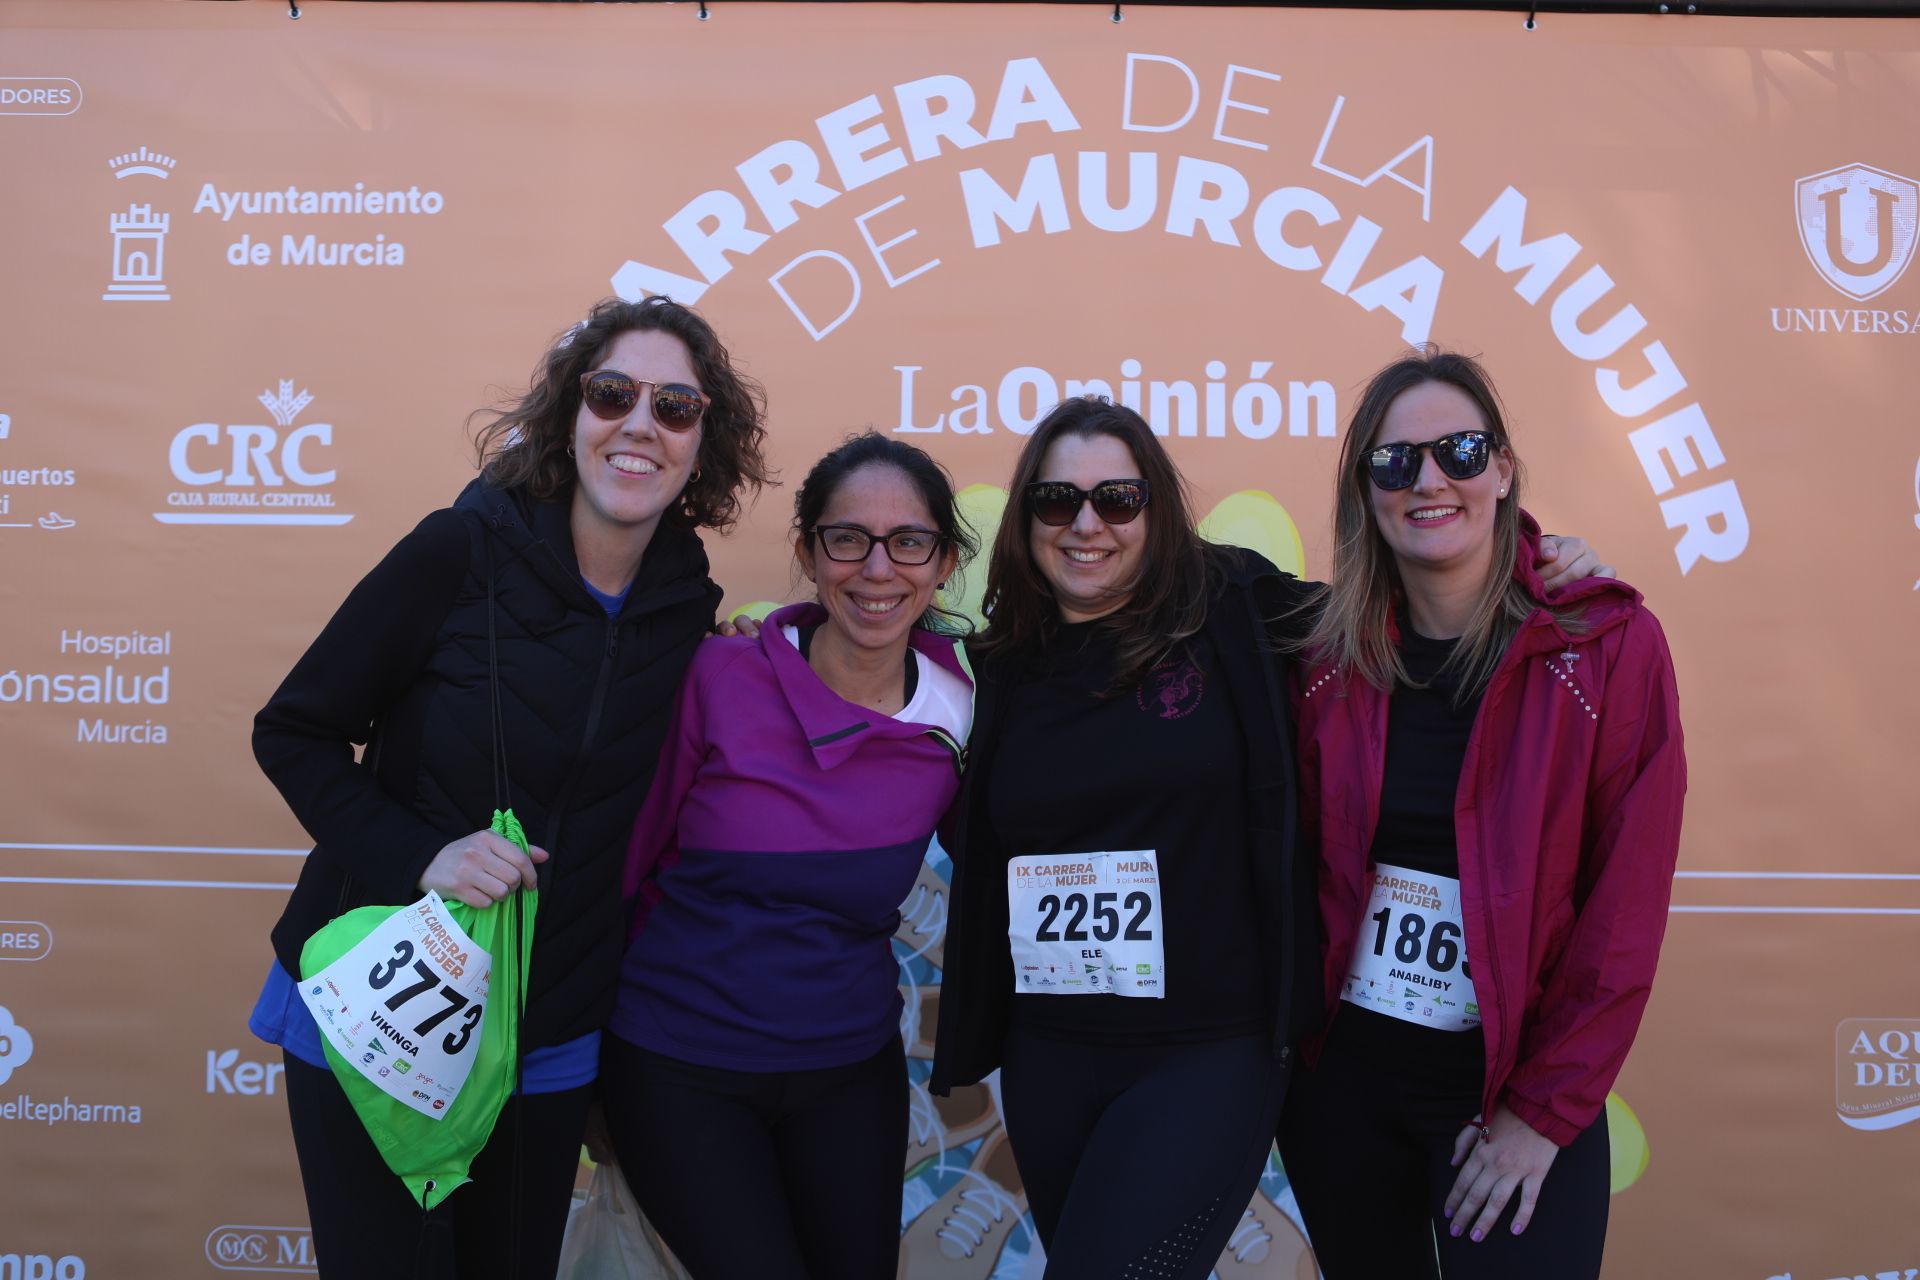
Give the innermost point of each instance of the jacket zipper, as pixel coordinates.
(564, 804)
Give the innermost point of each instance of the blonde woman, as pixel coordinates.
(1493, 773)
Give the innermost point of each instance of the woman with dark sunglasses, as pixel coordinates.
(1132, 936)
(755, 1053)
(574, 558)
(1494, 879)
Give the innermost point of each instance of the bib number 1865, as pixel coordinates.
(1440, 945)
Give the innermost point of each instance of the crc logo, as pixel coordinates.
(16, 1046)
(268, 1249)
(1857, 224)
(1877, 1072)
(252, 473)
(227, 1074)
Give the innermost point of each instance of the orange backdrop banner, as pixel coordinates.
(259, 272)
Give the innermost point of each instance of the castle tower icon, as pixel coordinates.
(139, 255)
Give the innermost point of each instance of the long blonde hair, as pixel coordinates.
(1351, 629)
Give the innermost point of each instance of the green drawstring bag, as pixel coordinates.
(392, 1008)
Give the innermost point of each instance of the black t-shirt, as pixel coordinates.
(1159, 766)
(1426, 747)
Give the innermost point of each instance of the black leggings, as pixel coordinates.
(1138, 1160)
(780, 1175)
(1368, 1145)
(366, 1222)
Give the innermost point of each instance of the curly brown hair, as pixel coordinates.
(524, 444)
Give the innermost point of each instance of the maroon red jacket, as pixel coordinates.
(1568, 822)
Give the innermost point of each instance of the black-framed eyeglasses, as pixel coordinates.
(1056, 502)
(850, 544)
(1462, 455)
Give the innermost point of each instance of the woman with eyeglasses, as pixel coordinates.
(755, 1054)
(574, 557)
(1493, 773)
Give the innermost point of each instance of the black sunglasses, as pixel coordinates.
(850, 544)
(1056, 502)
(611, 395)
(1462, 455)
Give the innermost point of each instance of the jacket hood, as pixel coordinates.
(539, 532)
(834, 727)
(1603, 603)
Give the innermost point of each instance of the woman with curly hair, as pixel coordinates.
(575, 560)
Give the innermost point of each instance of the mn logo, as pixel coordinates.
(1857, 225)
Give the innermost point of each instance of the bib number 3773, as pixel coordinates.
(404, 1007)
(1410, 957)
(1083, 924)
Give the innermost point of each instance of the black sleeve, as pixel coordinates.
(375, 645)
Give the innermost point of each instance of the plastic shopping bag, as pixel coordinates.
(608, 1238)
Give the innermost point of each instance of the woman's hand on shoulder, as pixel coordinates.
(1565, 560)
(1507, 1155)
(482, 868)
(740, 624)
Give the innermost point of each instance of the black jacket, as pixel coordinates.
(1248, 622)
(585, 701)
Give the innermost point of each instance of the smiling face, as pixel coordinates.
(873, 603)
(631, 470)
(1440, 525)
(1091, 565)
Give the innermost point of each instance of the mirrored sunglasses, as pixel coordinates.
(1055, 502)
(1461, 455)
(611, 395)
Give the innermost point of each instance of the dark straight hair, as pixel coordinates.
(871, 449)
(1168, 601)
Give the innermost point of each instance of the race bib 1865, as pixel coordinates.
(1085, 924)
(1410, 958)
(404, 1006)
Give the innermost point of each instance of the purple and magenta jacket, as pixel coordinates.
(784, 828)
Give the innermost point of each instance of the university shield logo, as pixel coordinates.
(1857, 225)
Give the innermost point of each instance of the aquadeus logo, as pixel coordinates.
(284, 1250)
(253, 473)
(1877, 1072)
(1857, 224)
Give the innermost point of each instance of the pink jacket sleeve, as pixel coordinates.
(1590, 1009)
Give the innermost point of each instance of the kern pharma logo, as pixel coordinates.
(1857, 224)
(1877, 1072)
(251, 473)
